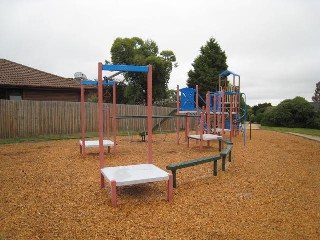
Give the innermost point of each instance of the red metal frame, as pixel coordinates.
(208, 112)
(83, 145)
(178, 119)
(149, 119)
(149, 102)
(114, 119)
(197, 108)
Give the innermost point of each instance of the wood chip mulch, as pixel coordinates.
(271, 190)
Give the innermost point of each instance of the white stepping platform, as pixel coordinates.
(220, 130)
(205, 137)
(134, 174)
(95, 143)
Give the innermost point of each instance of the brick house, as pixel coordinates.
(19, 82)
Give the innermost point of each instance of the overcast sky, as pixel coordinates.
(273, 44)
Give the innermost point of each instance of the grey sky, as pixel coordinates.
(272, 44)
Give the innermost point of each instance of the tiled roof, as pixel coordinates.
(18, 75)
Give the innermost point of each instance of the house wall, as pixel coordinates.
(40, 94)
(51, 95)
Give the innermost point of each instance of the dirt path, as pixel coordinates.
(255, 126)
(311, 137)
(271, 190)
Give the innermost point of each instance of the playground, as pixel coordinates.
(270, 190)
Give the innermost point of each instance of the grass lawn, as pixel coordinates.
(64, 137)
(314, 132)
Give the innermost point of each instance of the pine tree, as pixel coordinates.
(206, 67)
(316, 97)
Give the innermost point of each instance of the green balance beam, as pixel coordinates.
(193, 162)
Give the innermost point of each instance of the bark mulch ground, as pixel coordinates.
(271, 190)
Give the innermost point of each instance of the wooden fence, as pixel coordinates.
(42, 118)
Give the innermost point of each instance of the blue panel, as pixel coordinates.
(187, 99)
(95, 82)
(89, 82)
(227, 124)
(125, 68)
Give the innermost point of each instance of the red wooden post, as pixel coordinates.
(178, 119)
(234, 81)
(149, 101)
(214, 113)
(187, 125)
(185, 128)
(197, 108)
(208, 115)
(100, 114)
(219, 118)
(113, 193)
(114, 119)
(83, 145)
(201, 129)
(108, 122)
(102, 184)
(208, 112)
(222, 112)
(239, 99)
(230, 118)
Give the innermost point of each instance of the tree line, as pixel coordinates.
(206, 67)
(292, 113)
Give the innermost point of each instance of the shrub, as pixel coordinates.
(296, 112)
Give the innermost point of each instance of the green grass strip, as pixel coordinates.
(314, 132)
(64, 137)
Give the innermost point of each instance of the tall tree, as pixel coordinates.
(316, 97)
(135, 51)
(206, 67)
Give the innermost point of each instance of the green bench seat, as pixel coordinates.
(221, 141)
(223, 154)
(194, 162)
(143, 135)
(226, 151)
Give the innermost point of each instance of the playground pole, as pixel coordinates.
(234, 79)
(208, 112)
(185, 128)
(187, 125)
(214, 112)
(222, 111)
(108, 122)
(231, 117)
(83, 146)
(114, 120)
(239, 97)
(149, 101)
(178, 119)
(197, 108)
(201, 129)
(100, 110)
